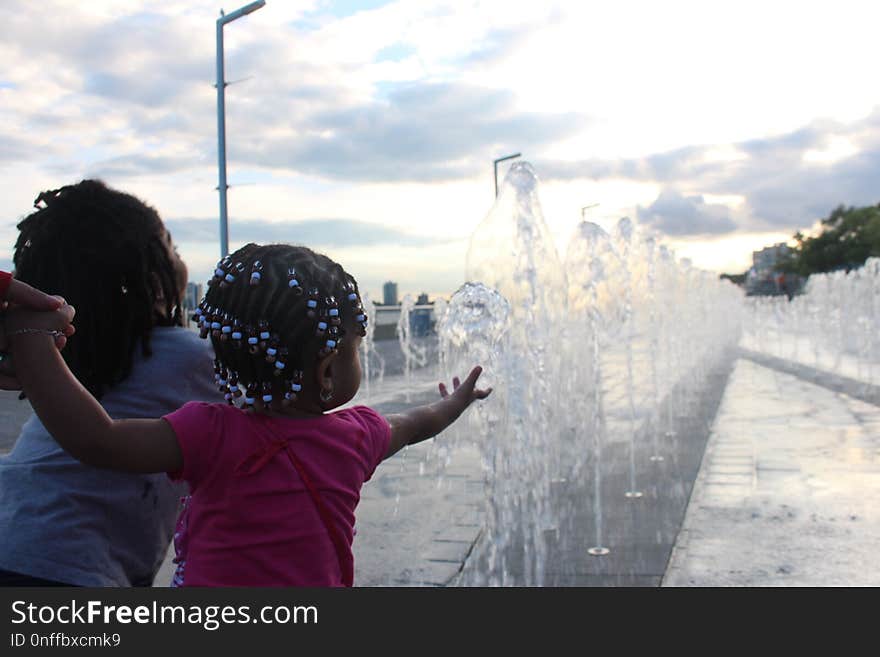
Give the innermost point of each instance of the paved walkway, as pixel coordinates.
(787, 491)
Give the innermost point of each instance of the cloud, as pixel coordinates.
(124, 78)
(142, 56)
(676, 215)
(424, 131)
(669, 166)
(139, 164)
(498, 44)
(148, 89)
(782, 188)
(319, 233)
(13, 149)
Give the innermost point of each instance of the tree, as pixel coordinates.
(848, 237)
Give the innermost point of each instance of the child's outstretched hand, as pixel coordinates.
(466, 393)
(423, 422)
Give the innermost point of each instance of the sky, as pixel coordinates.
(367, 130)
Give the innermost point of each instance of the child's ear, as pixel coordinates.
(324, 372)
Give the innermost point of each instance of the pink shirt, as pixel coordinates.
(250, 520)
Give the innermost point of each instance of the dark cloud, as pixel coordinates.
(782, 189)
(421, 132)
(790, 145)
(126, 166)
(676, 215)
(150, 89)
(313, 232)
(667, 167)
(13, 149)
(796, 197)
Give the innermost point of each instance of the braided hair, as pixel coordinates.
(271, 312)
(107, 253)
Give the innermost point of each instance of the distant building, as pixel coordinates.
(192, 296)
(763, 279)
(766, 258)
(389, 294)
(420, 319)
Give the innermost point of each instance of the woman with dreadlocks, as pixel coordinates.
(109, 255)
(274, 485)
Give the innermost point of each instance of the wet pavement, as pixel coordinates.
(768, 478)
(787, 491)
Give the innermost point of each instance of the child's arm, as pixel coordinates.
(73, 417)
(423, 422)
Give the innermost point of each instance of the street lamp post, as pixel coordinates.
(585, 208)
(495, 165)
(221, 118)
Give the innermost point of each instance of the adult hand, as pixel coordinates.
(58, 319)
(31, 298)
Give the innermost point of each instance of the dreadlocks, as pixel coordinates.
(270, 311)
(107, 254)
